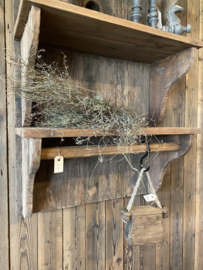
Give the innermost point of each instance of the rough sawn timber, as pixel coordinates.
(164, 75)
(103, 150)
(31, 153)
(64, 133)
(161, 162)
(29, 46)
(4, 211)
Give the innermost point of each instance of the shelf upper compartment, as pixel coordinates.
(57, 133)
(93, 32)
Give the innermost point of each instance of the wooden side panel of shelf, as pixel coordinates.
(29, 47)
(164, 75)
(31, 148)
(159, 166)
(31, 157)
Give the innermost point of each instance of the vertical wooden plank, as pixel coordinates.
(11, 137)
(4, 222)
(50, 240)
(27, 244)
(193, 13)
(177, 185)
(131, 254)
(74, 238)
(95, 236)
(177, 182)
(175, 116)
(199, 171)
(29, 47)
(148, 257)
(162, 249)
(114, 235)
(23, 232)
(147, 251)
(170, 255)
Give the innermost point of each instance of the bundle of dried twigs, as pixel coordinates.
(60, 103)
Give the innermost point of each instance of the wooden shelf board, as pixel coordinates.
(89, 31)
(58, 133)
(91, 151)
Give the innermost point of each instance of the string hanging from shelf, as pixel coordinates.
(152, 190)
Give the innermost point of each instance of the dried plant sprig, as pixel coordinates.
(60, 103)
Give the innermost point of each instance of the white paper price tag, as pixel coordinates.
(58, 164)
(149, 198)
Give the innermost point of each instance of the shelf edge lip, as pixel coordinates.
(59, 133)
(26, 4)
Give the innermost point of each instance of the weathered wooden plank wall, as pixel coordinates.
(191, 105)
(4, 222)
(91, 237)
(199, 165)
(175, 116)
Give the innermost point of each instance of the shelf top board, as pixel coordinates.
(89, 31)
(59, 133)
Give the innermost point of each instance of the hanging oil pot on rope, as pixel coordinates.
(143, 224)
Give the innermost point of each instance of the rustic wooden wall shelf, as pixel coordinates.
(177, 143)
(92, 32)
(169, 57)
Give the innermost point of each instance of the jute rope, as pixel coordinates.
(152, 190)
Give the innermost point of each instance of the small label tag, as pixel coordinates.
(149, 198)
(58, 164)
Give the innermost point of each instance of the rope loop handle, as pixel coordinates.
(152, 190)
